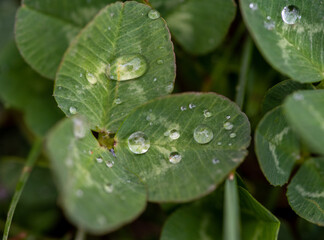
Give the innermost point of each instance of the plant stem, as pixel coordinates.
(80, 235)
(32, 157)
(231, 211)
(245, 64)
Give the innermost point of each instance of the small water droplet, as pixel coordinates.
(110, 164)
(175, 157)
(81, 75)
(253, 6)
(192, 106)
(59, 87)
(138, 143)
(219, 143)
(79, 128)
(160, 62)
(99, 159)
(203, 134)
(117, 101)
(228, 126)
(109, 28)
(153, 14)
(91, 78)
(112, 14)
(228, 117)
(73, 110)
(232, 135)
(230, 144)
(215, 161)
(290, 14)
(298, 96)
(174, 134)
(169, 88)
(183, 108)
(127, 67)
(207, 114)
(109, 188)
(269, 24)
(154, 79)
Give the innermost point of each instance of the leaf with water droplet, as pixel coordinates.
(164, 164)
(212, 19)
(88, 188)
(306, 191)
(289, 36)
(276, 146)
(44, 30)
(127, 53)
(305, 113)
(204, 219)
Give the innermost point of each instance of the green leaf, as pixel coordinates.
(169, 124)
(7, 19)
(98, 195)
(276, 146)
(305, 192)
(305, 113)
(27, 91)
(44, 29)
(277, 94)
(203, 220)
(198, 25)
(293, 49)
(120, 31)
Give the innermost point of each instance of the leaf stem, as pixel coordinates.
(80, 235)
(231, 211)
(32, 157)
(245, 64)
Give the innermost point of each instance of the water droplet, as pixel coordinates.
(109, 28)
(203, 134)
(253, 6)
(174, 134)
(192, 106)
(207, 114)
(269, 24)
(230, 144)
(169, 88)
(79, 193)
(219, 143)
(154, 79)
(81, 75)
(290, 14)
(160, 62)
(232, 135)
(153, 14)
(228, 117)
(112, 14)
(79, 128)
(73, 110)
(215, 161)
(110, 164)
(298, 96)
(109, 188)
(175, 157)
(138, 143)
(117, 101)
(99, 159)
(228, 126)
(127, 67)
(183, 108)
(91, 78)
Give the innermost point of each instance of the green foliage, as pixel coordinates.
(126, 142)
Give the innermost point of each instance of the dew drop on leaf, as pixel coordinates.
(232, 135)
(127, 67)
(117, 101)
(269, 24)
(99, 159)
(138, 143)
(228, 126)
(79, 128)
(253, 6)
(215, 161)
(91, 78)
(72, 110)
(175, 157)
(153, 14)
(109, 188)
(207, 113)
(192, 106)
(203, 134)
(183, 108)
(290, 14)
(110, 164)
(174, 134)
(160, 62)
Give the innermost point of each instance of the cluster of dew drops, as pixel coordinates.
(290, 14)
(124, 67)
(139, 142)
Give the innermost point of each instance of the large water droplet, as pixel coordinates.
(253, 6)
(174, 134)
(175, 157)
(203, 134)
(138, 143)
(207, 114)
(72, 110)
(290, 14)
(153, 14)
(109, 188)
(228, 126)
(79, 128)
(127, 67)
(91, 78)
